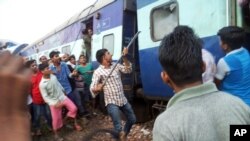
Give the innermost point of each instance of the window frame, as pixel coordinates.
(152, 22)
(113, 42)
(67, 46)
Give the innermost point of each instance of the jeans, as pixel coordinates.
(75, 97)
(41, 110)
(114, 112)
(86, 93)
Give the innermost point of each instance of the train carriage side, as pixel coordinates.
(107, 30)
(67, 38)
(157, 18)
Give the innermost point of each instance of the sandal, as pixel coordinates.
(78, 127)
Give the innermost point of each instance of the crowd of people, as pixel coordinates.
(60, 90)
(208, 97)
(59, 86)
(201, 110)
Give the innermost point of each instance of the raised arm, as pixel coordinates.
(127, 66)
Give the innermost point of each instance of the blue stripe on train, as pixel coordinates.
(111, 17)
(142, 3)
(151, 69)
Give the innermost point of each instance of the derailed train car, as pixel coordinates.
(114, 22)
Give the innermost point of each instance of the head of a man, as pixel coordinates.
(82, 59)
(103, 56)
(180, 57)
(90, 32)
(54, 56)
(64, 57)
(231, 38)
(72, 59)
(43, 59)
(44, 68)
(31, 64)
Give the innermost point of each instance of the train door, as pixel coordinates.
(87, 33)
(129, 30)
(107, 33)
(107, 30)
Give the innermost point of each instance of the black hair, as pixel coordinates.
(72, 56)
(233, 36)
(180, 56)
(100, 53)
(41, 67)
(82, 55)
(29, 63)
(53, 53)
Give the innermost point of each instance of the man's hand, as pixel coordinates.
(125, 51)
(98, 88)
(125, 59)
(74, 73)
(14, 87)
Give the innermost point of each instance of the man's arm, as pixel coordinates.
(44, 93)
(127, 66)
(222, 70)
(217, 82)
(95, 86)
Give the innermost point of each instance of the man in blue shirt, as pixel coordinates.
(62, 72)
(233, 69)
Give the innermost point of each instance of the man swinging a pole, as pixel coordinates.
(107, 78)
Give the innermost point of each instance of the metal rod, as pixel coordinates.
(130, 43)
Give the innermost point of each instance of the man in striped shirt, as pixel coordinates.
(113, 90)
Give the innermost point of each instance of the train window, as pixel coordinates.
(163, 20)
(108, 43)
(66, 49)
(34, 57)
(46, 53)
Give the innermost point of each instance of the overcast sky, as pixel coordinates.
(25, 21)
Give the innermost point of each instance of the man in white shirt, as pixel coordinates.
(54, 95)
(113, 90)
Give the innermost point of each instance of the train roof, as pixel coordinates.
(77, 17)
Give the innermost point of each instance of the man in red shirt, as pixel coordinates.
(40, 108)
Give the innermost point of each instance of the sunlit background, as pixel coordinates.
(25, 21)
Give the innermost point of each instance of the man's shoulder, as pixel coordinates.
(43, 82)
(230, 98)
(98, 70)
(169, 119)
(63, 64)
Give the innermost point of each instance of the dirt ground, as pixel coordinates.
(139, 132)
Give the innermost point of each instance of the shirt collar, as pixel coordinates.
(192, 92)
(103, 67)
(235, 51)
(55, 66)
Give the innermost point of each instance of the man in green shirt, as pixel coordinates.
(86, 70)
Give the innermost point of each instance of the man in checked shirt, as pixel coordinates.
(113, 90)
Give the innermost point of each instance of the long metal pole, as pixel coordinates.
(130, 43)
